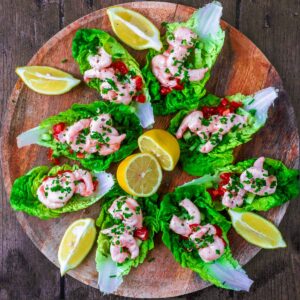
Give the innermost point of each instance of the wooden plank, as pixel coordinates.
(25, 272)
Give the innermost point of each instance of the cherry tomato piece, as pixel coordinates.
(218, 230)
(141, 98)
(52, 159)
(235, 104)
(142, 233)
(224, 102)
(225, 178)
(138, 83)
(120, 67)
(179, 86)
(80, 155)
(194, 226)
(165, 90)
(213, 193)
(95, 184)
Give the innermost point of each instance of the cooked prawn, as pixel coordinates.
(214, 249)
(56, 191)
(168, 67)
(128, 210)
(256, 179)
(120, 244)
(181, 226)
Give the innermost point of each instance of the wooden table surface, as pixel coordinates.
(26, 25)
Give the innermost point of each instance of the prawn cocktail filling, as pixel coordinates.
(47, 193)
(255, 184)
(127, 228)
(95, 134)
(208, 135)
(108, 67)
(177, 75)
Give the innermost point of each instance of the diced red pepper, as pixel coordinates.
(52, 159)
(225, 178)
(179, 86)
(218, 230)
(138, 83)
(95, 184)
(71, 151)
(165, 90)
(142, 233)
(80, 155)
(141, 98)
(120, 67)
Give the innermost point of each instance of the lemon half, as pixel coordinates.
(139, 175)
(162, 145)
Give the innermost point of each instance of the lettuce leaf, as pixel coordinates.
(204, 22)
(196, 163)
(288, 185)
(24, 198)
(87, 41)
(124, 120)
(111, 278)
(214, 272)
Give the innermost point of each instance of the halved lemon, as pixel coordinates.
(76, 244)
(47, 80)
(139, 175)
(162, 145)
(257, 230)
(134, 29)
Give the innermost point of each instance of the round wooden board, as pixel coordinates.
(241, 67)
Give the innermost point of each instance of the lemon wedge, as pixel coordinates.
(162, 145)
(257, 230)
(76, 244)
(134, 29)
(139, 175)
(47, 80)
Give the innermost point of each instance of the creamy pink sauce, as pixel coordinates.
(211, 130)
(102, 137)
(56, 191)
(210, 246)
(123, 244)
(111, 88)
(255, 180)
(168, 67)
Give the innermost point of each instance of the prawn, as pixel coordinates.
(183, 227)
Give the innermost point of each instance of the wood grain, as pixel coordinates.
(220, 86)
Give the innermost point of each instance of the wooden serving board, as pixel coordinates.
(241, 67)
